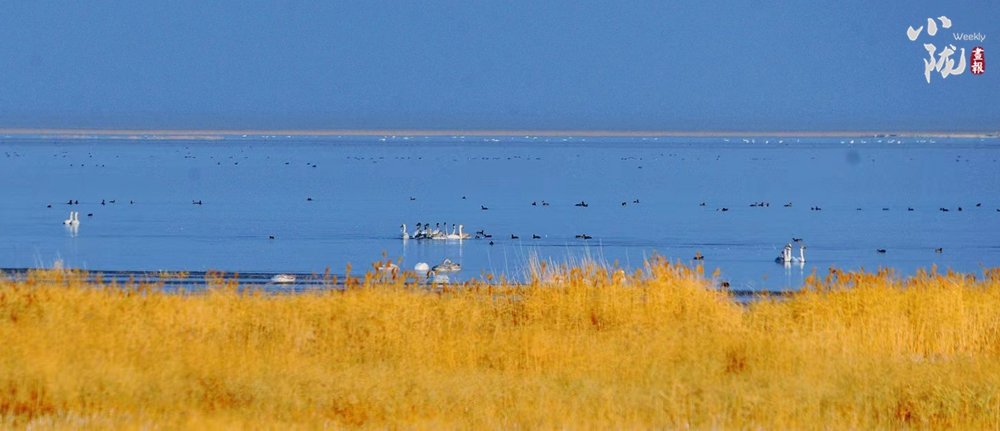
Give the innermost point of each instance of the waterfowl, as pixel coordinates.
(581, 204)
(788, 205)
(785, 256)
(635, 201)
(545, 204)
(459, 234)
(802, 255)
(624, 203)
(512, 236)
(271, 237)
(939, 250)
(387, 267)
(73, 220)
(483, 207)
(405, 234)
(535, 236)
(701, 204)
(584, 236)
(534, 204)
(909, 208)
(880, 250)
(283, 278)
(447, 266)
(421, 267)
(698, 256)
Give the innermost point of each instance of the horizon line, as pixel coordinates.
(218, 133)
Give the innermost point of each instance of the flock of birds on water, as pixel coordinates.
(444, 231)
(456, 232)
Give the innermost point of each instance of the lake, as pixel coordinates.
(333, 200)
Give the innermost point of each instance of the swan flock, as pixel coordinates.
(425, 231)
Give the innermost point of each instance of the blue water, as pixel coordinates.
(256, 187)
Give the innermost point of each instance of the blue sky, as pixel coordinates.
(652, 65)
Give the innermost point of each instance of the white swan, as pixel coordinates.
(387, 267)
(785, 256)
(440, 233)
(73, 220)
(283, 278)
(405, 235)
(802, 255)
(447, 266)
(459, 235)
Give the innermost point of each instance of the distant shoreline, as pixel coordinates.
(140, 134)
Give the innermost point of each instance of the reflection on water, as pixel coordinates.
(300, 206)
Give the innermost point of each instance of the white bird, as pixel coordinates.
(447, 266)
(802, 255)
(283, 278)
(405, 235)
(785, 256)
(421, 267)
(459, 235)
(388, 267)
(73, 220)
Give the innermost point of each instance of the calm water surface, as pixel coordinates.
(362, 189)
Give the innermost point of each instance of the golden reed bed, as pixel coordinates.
(586, 349)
